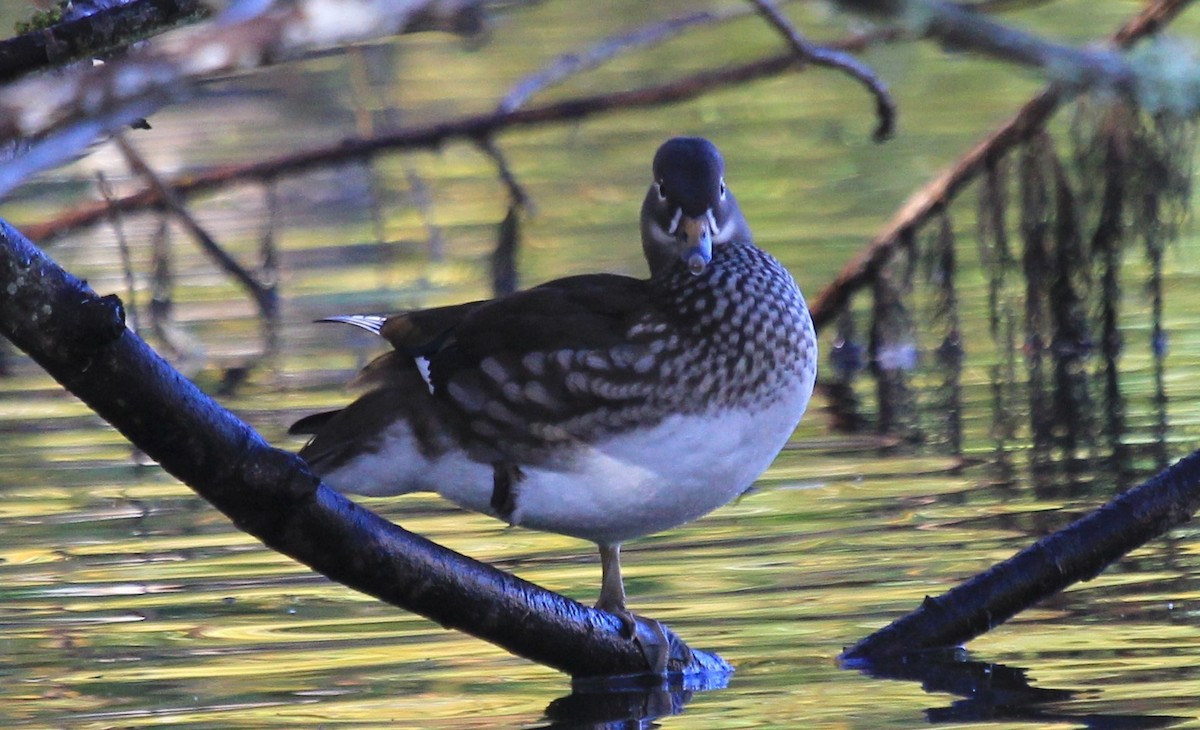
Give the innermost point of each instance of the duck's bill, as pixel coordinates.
(697, 243)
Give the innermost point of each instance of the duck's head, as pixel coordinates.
(688, 209)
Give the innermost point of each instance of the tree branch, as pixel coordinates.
(939, 192)
(430, 136)
(569, 64)
(107, 29)
(963, 28)
(264, 296)
(81, 340)
(1077, 552)
(67, 112)
(885, 107)
(473, 127)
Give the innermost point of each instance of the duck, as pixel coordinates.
(600, 406)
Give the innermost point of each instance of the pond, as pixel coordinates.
(127, 601)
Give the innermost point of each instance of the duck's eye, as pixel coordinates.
(661, 190)
(722, 190)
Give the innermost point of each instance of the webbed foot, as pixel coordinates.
(650, 636)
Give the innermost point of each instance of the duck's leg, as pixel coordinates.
(655, 646)
(612, 585)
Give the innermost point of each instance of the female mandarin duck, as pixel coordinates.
(599, 406)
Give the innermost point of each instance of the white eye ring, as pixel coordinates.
(722, 189)
(658, 188)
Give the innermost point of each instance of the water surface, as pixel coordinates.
(126, 601)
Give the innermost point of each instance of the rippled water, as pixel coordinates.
(126, 601)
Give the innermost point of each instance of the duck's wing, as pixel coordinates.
(512, 378)
(546, 367)
(396, 387)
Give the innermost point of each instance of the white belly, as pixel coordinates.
(625, 487)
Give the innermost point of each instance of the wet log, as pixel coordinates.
(1078, 552)
(80, 338)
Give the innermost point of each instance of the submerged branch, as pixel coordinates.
(80, 338)
(939, 192)
(1077, 552)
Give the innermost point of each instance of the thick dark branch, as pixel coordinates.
(1078, 552)
(885, 108)
(105, 30)
(81, 340)
(939, 192)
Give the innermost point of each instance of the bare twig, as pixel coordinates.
(1150, 20)
(370, 75)
(517, 194)
(1077, 68)
(106, 192)
(268, 277)
(162, 282)
(29, 157)
(504, 257)
(508, 238)
(1001, 6)
(885, 108)
(569, 64)
(360, 69)
(938, 193)
(269, 245)
(186, 350)
(264, 296)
